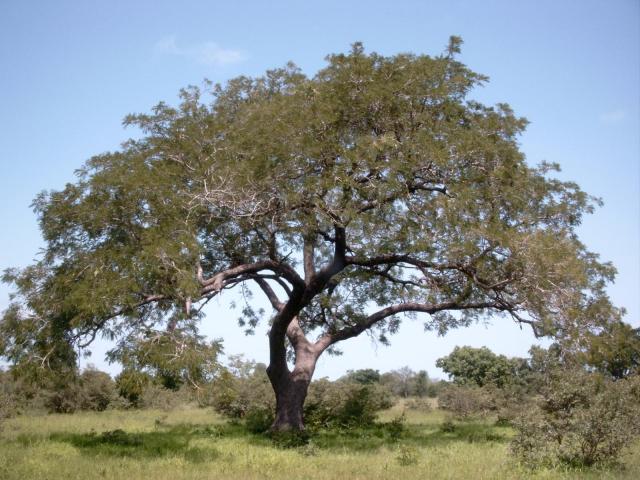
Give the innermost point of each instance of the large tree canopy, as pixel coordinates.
(373, 190)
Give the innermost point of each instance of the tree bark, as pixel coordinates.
(291, 387)
(290, 399)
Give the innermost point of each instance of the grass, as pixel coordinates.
(197, 444)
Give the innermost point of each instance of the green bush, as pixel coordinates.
(161, 398)
(259, 420)
(343, 404)
(131, 384)
(581, 418)
(65, 398)
(466, 401)
(97, 390)
(504, 403)
(234, 395)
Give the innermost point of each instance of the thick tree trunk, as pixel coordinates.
(289, 406)
(291, 391)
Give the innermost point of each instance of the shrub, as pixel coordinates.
(259, 420)
(9, 403)
(580, 419)
(97, 390)
(419, 404)
(505, 403)
(131, 384)
(235, 395)
(466, 401)
(344, 404)
(396, 427)
(407, 456)
(448, 426)
(65, 398)
(161, 398)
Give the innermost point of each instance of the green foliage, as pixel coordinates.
(409, 195)
(259, 420)
(480, 367)
(615, 350)
(343, 404)
(581, 419)
(131, 384)
(9, 403)
(194, 443)
(365, 376)
(140, 445)
(404, 382)
(241, 389)
(172, 358)
(160, 398)
(466, 401)
(98, 390)
(290, 439)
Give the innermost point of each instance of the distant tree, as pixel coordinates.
(98, 389)
(365, 376)
(400, 381)
(372, 190)
(615, 350)
(480, 367)
(421, 384)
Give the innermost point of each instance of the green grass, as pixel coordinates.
(197, 444)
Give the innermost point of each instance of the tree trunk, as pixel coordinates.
(291, 391)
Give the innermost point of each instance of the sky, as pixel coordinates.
(71, 70)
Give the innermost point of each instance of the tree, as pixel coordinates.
(373, 190)
(614, 350)
(421, 384)
(480, 367)
(364, 376)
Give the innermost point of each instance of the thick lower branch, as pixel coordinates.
(327, 340)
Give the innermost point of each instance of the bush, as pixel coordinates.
(65, 398)
(466, 401)
(161, 398)
(344, 404)
(236, 395)
(259, 420)
(419, 404)
(505, 403)
(580, 419)
(131, 384)
(98, 390)
(407, 456)
(9, 403)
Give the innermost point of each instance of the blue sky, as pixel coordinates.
(71, 70)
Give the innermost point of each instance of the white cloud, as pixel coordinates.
(205, 53)
(613, 116)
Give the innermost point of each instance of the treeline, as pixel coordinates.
(236, 389)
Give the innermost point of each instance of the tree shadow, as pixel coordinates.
(383, 435)
(173, 442)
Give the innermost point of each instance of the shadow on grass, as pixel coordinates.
(380, 435)
(174, 442)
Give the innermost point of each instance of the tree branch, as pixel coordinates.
(271, 295)
(217, 282)
(354, 330)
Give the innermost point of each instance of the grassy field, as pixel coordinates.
(197, 444)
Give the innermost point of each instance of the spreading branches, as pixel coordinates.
(372, 189)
